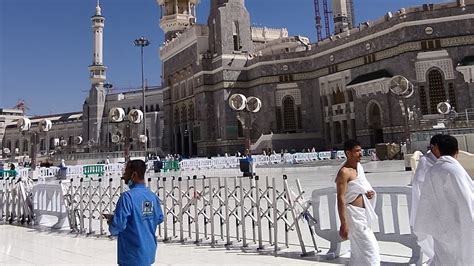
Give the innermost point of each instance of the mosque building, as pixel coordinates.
(312, 94)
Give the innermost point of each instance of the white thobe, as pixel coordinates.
(446, 212)
(364, 246)
(425, 163)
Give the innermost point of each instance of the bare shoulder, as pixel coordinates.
(344, 174)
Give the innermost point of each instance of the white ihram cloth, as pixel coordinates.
(446, 212)
(425, 163)
(364, 246)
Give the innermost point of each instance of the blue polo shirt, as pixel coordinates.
(137, 214)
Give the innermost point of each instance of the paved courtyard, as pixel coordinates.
(41, 246)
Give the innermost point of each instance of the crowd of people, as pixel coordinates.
(442, 214)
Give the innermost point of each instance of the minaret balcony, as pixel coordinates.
(165, 2)
(176, 22)
(97, 73)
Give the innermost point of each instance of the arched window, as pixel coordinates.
(183, 114)
(176, 115)
(17, 144)
(437, 92)
(452, 96)
(9, 145)
(338, 97)
(148, 143)
(423, 102)
(25, 145)
(151, 108)
(289, 118)
(157, 107)
(70, 141)
(191, 112)
(338, 132)
(42, 145)
(51, 143)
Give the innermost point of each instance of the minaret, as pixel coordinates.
(176, 16)
(341, 20)
(229, 27)
(94, 105)
(97, 69)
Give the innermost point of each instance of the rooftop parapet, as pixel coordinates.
(264, 34)
(389, 20)
(186, 37)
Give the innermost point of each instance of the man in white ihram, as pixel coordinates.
(424, 165)
(356, 205)
(446, 208)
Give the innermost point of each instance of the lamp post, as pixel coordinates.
(403, 89)
(245, 106)
(117, 115)
(107, 86)
(24, 126)
(143, 42)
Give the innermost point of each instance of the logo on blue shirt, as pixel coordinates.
(147, 208)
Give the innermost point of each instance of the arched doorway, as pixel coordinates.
(437, 92)
(375, 124)
(289, 118)
(338, 132)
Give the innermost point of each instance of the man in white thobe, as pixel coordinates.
(356, 205)
(425, 163)
(446, 208)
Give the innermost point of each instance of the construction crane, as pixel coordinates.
(326, 13)
(21, 105)
(318, 20)
(326, 17)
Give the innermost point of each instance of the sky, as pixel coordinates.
(46, 46)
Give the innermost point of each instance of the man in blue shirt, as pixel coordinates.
(137, 214)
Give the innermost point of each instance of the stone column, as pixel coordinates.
(190, 138)
(175, 137)
(181, 129)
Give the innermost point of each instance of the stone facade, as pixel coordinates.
(306, 91)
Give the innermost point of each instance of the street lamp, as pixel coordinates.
(108, 87)
(143, 42)
(244, 107)
(135, 116)
(24, 126)
(403, 89)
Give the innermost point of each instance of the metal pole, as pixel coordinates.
(144, 108)
(259, 214)
(275, 215)
(180, 209)
(247, 133)
(196, 207)
(407, 129)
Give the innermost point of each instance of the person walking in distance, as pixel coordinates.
(137, 215)
(356, 205)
